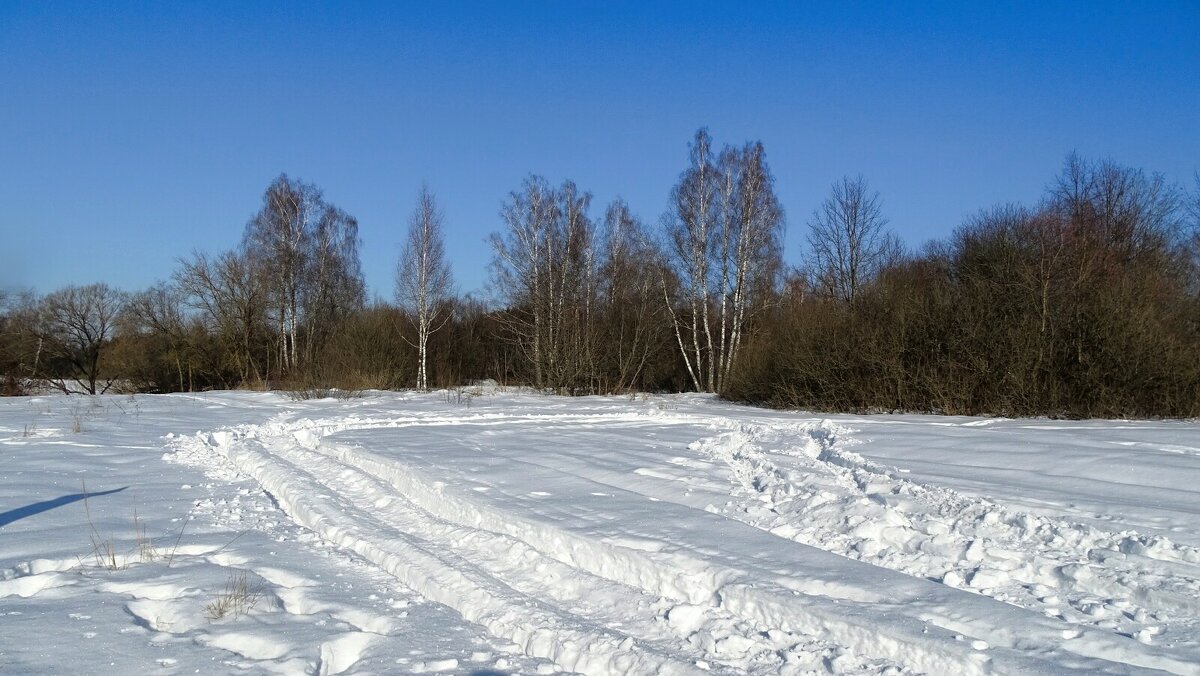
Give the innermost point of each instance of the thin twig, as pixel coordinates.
(182, 528)
(235, 539)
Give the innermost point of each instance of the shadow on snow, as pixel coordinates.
(47, 505)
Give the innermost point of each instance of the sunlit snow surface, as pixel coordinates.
(489, 532)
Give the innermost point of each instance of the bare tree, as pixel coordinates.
(16, 341)
(158, 311)
(307, 253)
(573, 301)
(1109, 205)
(750, 250)
(723, 238)
(423, 280)
(519, 270)
(848, 239)
(276, 240)
(230, 298)
(74, 325)
(546, 267)
(333, 282)
(1192, 241)
(1193, 202)
(689, 233)
(633, 320)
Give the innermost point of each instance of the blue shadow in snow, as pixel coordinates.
(47, 505)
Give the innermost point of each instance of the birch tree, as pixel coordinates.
(519, 268)
(848, 240)
(546, 266)
(333, 284)
(423, 280)
(689, 230)
(573, 301)
(723, 237)
(306, 251)
(277, 241)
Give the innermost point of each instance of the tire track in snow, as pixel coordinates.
(698, 589)
(539, 629)
(674, 628)
(275, 466)
(411, 567)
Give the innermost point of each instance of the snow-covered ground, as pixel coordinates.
(508, 532)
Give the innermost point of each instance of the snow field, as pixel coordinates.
(676, 578)
(820, 494)
(315, 609)
(602, 535)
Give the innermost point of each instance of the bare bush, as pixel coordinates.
(310, 393)
(238, 598)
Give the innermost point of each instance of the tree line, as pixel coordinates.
(1084, 304)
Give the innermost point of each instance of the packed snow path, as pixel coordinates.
(683, 535)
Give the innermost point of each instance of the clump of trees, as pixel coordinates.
(1086, 303)
(304, 254)
(723, 237)
(583, 300)
(62, 337)
(1083, 305)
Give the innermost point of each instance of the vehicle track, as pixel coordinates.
(642, 618)
(508, 573)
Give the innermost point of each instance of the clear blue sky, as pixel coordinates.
(131, 134)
